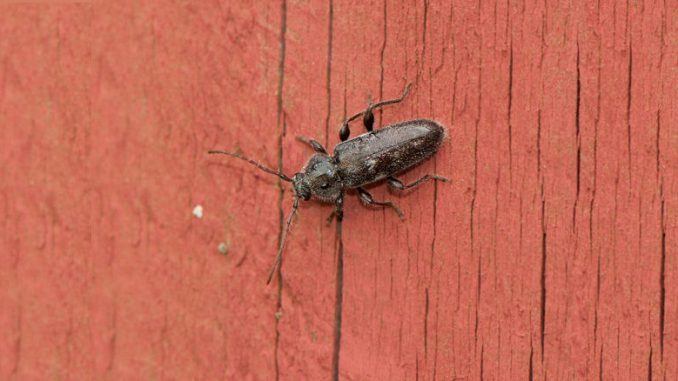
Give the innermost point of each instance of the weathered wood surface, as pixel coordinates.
(551, 255)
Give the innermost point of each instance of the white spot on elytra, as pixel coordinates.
(197, 211)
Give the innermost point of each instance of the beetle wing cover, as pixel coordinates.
(387, 151)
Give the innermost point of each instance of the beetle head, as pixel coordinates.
(301, 186)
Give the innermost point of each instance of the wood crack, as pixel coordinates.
(578, 138)
(628, 110)
(328, 80)
(281, 212)
(339, 298)
(426, 308)
(381, 62)
(510, 113)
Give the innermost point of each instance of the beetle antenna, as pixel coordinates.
(253, 162)
(278, 257)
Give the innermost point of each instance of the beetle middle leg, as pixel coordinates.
(396, 184)
(366, 197)
(368, 115)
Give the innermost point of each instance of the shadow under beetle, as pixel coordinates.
(365, 159)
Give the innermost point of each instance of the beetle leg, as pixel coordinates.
(344, 131)
(317, 147)
(339, 208)
(368, 115)
(366, 197)
(398, 185)
(330, 218)
(387, 102)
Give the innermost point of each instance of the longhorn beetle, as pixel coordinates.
(365, 159)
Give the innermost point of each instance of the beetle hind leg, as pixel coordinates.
(396, 184)
(366, 197)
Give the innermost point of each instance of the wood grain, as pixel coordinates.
(552, 254)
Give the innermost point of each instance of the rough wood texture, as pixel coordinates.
(551, 255)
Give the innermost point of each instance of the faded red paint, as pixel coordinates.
(552, 251)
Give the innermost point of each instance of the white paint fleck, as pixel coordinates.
(197, 211)
(223, 248)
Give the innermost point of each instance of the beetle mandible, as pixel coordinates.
(368, 158)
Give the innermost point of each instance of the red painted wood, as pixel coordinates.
(552, 253)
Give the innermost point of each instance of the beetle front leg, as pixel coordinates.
(315, 145)
(396, 184)
(338, 211)
(330, 218)
(366, 197)
(339, 208)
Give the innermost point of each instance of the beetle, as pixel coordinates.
(368, 158)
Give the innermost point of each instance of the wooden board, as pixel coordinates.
(552, 253)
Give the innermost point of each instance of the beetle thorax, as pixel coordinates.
(319, 179)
